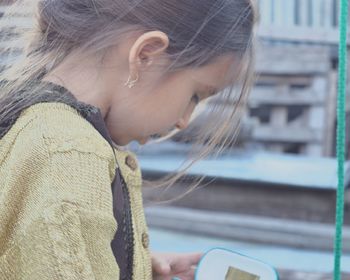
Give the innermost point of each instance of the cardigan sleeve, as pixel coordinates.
(64, 219)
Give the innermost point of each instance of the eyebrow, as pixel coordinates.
(210, 91)
(207, 88)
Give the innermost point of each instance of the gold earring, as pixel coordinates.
(132, 83)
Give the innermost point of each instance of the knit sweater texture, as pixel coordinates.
(56, 205)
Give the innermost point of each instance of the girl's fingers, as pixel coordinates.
(194, 258)
(187, 275)
(160, 266)
(182, 266)
(184, 261)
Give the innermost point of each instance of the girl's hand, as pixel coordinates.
(170, 265)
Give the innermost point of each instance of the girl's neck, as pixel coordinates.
(82, 78)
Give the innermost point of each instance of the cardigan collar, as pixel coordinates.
(55, 93)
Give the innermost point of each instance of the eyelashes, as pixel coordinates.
(195, 98)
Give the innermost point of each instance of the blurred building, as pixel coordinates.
(294, 101)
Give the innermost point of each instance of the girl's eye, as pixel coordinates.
(195, 98)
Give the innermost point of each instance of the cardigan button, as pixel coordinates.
(80, 268)
(131, 162)
(145, 240)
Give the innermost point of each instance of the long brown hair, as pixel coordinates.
(199, 31)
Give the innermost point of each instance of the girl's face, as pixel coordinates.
(167, 104)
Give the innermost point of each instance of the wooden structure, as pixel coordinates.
(254, 183)
(19, 19)
(255, 197)
(313, 21)
(294, 101)
(292, 275)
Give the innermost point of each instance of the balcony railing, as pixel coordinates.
(314, 21)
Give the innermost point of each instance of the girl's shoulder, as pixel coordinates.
(59, 127)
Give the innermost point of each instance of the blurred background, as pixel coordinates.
(272, 194)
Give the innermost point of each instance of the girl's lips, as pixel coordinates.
(156, 136)
(163, 134)
(143, 141)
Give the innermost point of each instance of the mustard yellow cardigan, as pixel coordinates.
(56, 212)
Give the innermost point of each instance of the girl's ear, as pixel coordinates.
(146, 49)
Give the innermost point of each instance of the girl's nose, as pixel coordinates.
(181, 124)
(185, 119)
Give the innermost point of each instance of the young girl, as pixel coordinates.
(98, 74)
